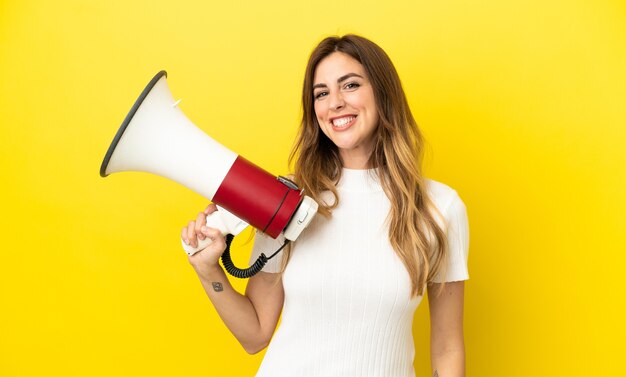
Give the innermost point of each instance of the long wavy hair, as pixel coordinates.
(417, 238)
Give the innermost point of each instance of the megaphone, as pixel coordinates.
(156, 137)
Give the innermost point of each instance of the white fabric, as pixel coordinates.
(348, 309)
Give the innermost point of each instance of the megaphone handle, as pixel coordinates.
(214, 220)
(190, 250)
(224, 221)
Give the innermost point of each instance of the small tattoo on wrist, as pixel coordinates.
(217, 286)
(436, 374)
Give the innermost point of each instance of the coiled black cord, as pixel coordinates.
(247, 272)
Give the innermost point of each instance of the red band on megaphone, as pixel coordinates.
(257, 197)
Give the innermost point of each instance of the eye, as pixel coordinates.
(320, 95)
(352, 85)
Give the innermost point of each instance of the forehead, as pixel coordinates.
(336, 65)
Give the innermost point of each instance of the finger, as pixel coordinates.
(210, 209)
(211, 233)
(191, 234)
(183, 235)
(218, 240)
(200, 222)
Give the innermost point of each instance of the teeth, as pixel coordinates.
(342, 121)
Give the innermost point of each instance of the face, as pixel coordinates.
(345, 107)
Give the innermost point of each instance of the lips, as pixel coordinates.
(343, 122)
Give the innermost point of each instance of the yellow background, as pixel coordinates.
(523, 104)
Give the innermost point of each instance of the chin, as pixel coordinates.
(345, 146)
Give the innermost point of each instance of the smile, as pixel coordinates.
(343, 122)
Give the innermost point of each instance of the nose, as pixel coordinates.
(336, 101)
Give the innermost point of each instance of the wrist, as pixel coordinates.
(208, 272)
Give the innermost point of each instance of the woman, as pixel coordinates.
(349, 286)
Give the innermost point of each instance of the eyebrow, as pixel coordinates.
(339, 80)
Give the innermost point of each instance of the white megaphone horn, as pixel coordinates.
(156, 137)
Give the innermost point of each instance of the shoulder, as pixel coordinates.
(449, 207)
(452, 216)
(444, 197)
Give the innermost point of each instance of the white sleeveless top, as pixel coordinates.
(348, 309)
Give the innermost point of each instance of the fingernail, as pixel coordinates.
(204, 229)
(186, 241)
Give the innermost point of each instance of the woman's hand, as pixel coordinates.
(252, 317)
(206, 260)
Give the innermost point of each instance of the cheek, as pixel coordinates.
(318, 109)
(325, 132)
(323, 127)
(318, 113)
(373, 110)
(375, 117)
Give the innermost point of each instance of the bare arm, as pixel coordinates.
(447, 349)
(252, 317)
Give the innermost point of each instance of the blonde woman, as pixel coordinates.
(349, 286)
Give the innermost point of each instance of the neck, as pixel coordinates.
(355, 161)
